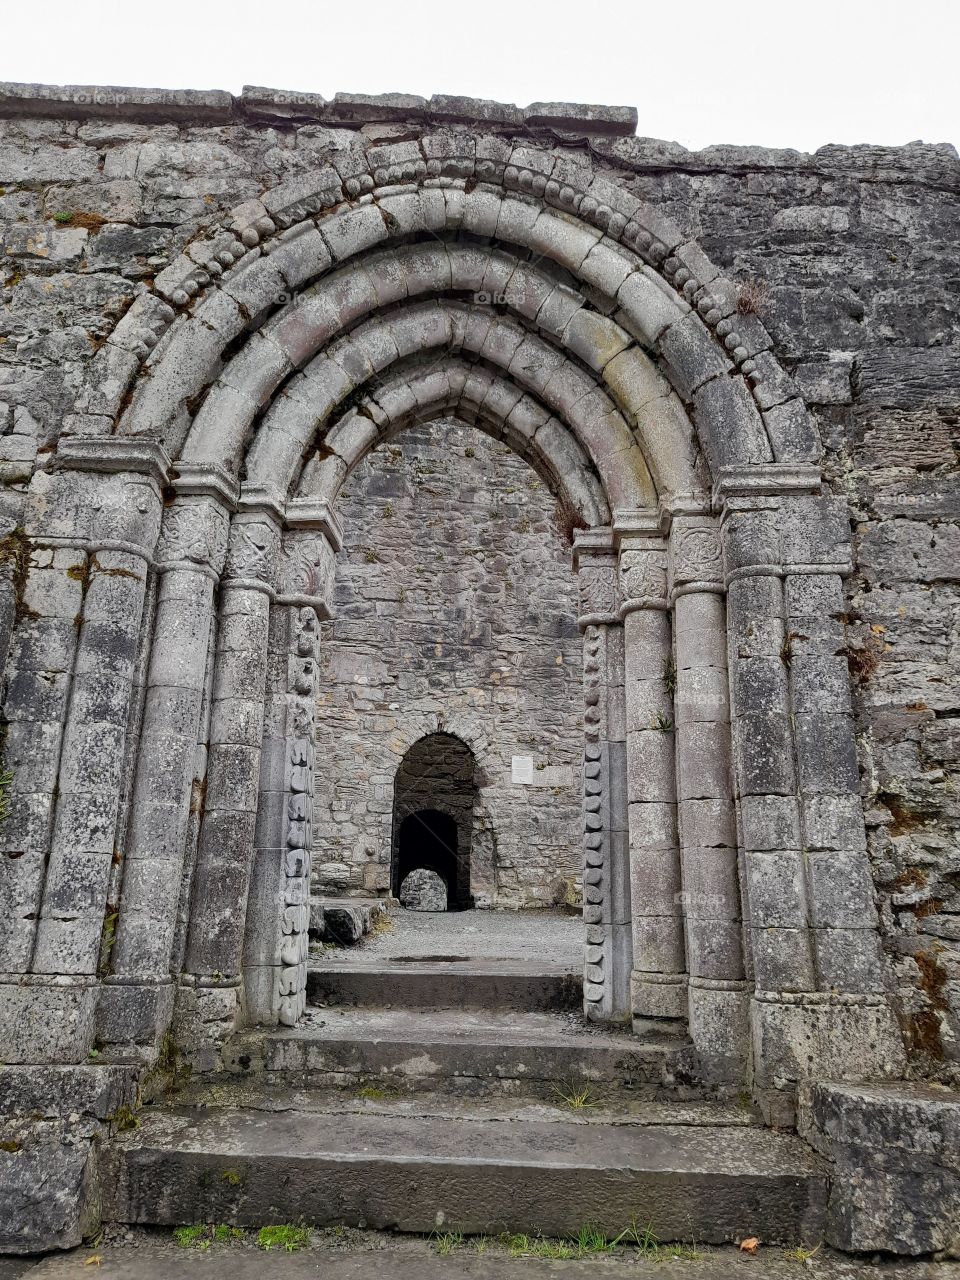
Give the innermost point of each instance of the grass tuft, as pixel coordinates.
(195, 1237)
(444, 1242)
(801, 1254)
(576, 1097)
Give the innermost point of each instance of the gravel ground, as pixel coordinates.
(346, 1254)
(551, 936)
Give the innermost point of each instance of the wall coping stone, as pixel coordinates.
(216, 105)
(612, 128)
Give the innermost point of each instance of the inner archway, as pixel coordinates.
(427, 840)
(435, 795)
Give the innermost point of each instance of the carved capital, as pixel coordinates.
(253, 548)
(194, 532)
(599, 590)
(695, 551)
(307, 566)
(643, 570)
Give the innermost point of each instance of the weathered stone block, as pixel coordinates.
(893, 1148)
(48, 1193)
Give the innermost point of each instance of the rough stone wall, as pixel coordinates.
(455, 605)
(856, 255)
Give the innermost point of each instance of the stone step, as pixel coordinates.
(711, 1183)
(441, 983)
(463, 1051)
(602, 1106)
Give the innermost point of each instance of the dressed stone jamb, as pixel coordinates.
(92, 525)
(810, 1017)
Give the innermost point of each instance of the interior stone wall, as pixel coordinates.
(849, 255)
(454, 606)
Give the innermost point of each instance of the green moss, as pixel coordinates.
(6, 778)
(283, 1237)
(62, 217)
(126, 1118)
(223, 1233)
(233, 1177)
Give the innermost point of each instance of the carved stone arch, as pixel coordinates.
(779, 764)
(606, 242)
(477, 397)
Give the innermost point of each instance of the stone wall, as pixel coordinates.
(850, 257)
(454, 606)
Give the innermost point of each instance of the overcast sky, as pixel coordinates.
(792, 73)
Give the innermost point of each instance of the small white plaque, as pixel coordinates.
(522, 768)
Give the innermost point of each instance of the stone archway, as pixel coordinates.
(564, 315)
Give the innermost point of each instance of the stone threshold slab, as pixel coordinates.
(414, 1174)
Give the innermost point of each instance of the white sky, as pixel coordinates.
(794, 73)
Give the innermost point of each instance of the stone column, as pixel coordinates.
(606, 882)
(278, 910)
(225, 851)
(818, 1011)
(137, 1000)
(718, 998)
(95, 524)
(658, 980)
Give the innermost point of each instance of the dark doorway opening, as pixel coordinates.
(427, 838)
(434, 796)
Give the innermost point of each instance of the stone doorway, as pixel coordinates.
(435, 795)
(427, 841)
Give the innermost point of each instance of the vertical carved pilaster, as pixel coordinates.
(276, 942)
(295, 923)
(606, 910)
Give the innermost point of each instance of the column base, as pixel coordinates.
(720, 1028)
(204, 1018)
(658, 1001)
(47, 1019)
(805, 1036)
(134, 1013)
